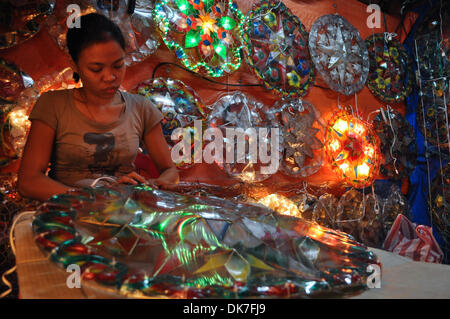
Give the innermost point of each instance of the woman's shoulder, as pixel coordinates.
(56, 94)
(134, 98)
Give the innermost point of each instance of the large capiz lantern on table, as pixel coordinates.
(135, 241)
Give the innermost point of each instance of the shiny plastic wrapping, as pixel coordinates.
(146, 243)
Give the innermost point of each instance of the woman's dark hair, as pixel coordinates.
(94, 28)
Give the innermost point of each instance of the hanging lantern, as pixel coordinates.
(339, 54)
(391, 74)
(204, 34)
(277, 49)
(352, 149)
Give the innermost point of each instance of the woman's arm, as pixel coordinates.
(32, 180)
(159, 152)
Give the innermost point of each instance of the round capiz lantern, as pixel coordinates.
(240, 114)
(301, 131)
(390, 75)
(339, 54)
(352, 149)
(204, 34)
(277, 49)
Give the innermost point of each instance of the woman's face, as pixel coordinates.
(101, 68)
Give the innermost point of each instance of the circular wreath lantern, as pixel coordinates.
(339, 54)
(391, 75)
(179, 104)
(206, 35)
(277, 49)
(352, 149)
(397, 144)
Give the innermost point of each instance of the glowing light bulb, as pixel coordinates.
(363, 169)
(280, 204)
(341, 126)
(344, 167)
(335, 145)
(18, 118)
(359, 129)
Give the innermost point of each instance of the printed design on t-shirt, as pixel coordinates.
(104, 161)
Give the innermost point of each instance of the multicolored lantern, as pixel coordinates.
(179, 104)
(339, 54)
(205, 34)
(352, 149)
(277, 49)
(391, 75)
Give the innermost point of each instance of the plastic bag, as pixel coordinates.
(414, 241)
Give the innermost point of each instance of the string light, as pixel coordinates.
(280, 204)
(206, 28)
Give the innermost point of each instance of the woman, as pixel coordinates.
(93, 131)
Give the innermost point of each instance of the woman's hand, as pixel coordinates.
(132, 178)
(167, 180)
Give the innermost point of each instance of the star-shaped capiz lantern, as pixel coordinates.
(277, 49)
(205, 34)
(391, 74)
(339, 54)
(352, 149)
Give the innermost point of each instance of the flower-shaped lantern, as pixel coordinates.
(205, 34)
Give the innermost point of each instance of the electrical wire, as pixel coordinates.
(200, 76)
